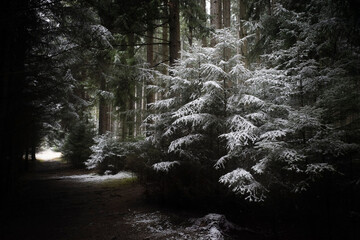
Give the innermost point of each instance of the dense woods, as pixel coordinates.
(237, 106)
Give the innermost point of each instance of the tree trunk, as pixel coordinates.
(174, 24)
(226, 11)
(150, 58)
(203, 7)
(131, 101)
(165, 47)
(190, 36)
(216, 17)
(33, 153)
(26, 160)
(219, 14)
(103, 109)
(226, 14)
(242, 30)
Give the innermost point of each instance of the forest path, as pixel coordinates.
(56, 202)
(49, 206)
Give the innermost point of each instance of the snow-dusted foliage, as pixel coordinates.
(212, 226)
(99, 152)
(241, 181)
(252, 122)
(192, 114)
(108, 153)
(164, 166)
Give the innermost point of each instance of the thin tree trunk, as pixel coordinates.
(150, 58)
(190, 36)
(216, 17)
(227, 14)
(131, 101)
(103, 115)
(165, 47)
(164, 52)
(219, 15)
(33, 153)
(203, 7)
(26, 158)
(174, 24)
(123, 127)
(242, 30)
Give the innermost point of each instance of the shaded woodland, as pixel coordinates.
(249, 108)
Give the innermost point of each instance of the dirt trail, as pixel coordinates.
(48, 207)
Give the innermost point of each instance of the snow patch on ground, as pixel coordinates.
(96, 178)
(159, 226)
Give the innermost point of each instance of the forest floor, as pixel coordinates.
(54, 202)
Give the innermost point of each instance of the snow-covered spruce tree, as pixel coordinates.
(188, 121)
(279, 137)
(109, 154)
(256, 125)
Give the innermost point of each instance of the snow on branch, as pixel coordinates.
(259, 167)
(221, 162)
(257, 116)
(102, 33)
(273, 135)
(192, 107)
(251, 100)
(214, 72)
(238, 139)
(212, 85)
(237, 123)
(317, 168)
(164, 166)
(243, 182)
(184, 141)
(242, 132)
(199, 119)
(162, 104)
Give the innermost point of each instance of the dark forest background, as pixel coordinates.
(250, 108)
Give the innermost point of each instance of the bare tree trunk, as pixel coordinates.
(103, 109)
(130, 119)
(26, 158)
(227, 13)
(150, 58)
(226, 16)
(190, 36)
(219, 15)
(174, 24)
(131, 101)
(123, 126)
(242, 30)
(33, 153)
(165, 47)
(203, 7)
(216, 17)
(138, 109)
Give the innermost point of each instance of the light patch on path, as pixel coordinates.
(96, 178)
(48, 155)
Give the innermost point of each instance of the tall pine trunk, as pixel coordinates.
(226, 17)
(150, 58)
(203, 7)
(216, 17)
(174, 24)
(103, 109)
(242, 31)
(130, 117)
